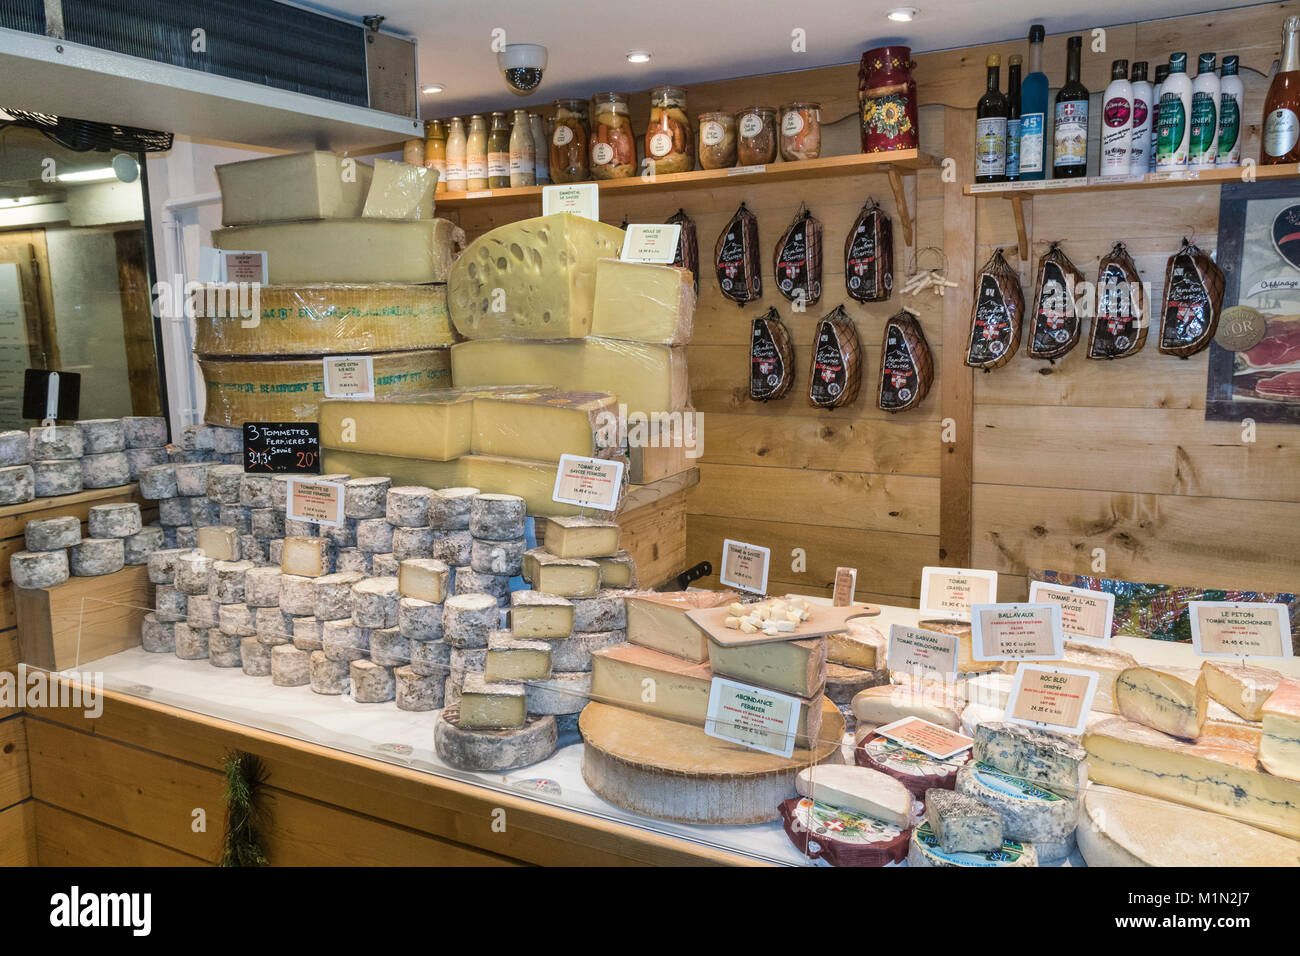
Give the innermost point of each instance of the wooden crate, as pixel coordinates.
(82, 619)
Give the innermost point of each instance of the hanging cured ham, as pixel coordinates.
(771, 358)
(1193, 301)
(1119, 328)
(869, 255)
(688, 247)
(906, 365)
(1056, 322)
(836, 372)
(797, 264)
(996, 315)
(735, 258)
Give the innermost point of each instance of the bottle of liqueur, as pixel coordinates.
(1231, 94)
(991, 129)
(1281, 140)
(1140, 140)
(1175, 115)
(1117, 122)
(1203, 133)
(1070, 138)
(1013, 118)
(1033, 111)
(1162, 74)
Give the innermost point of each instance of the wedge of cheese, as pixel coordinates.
(1050, 760)
(534, 614)
(859, 789)
(1173, 700)
(658, 620)
(512, 661)
(400, 191)
(1242, 688)
(542, 423)
(1105, 662)
(565, 577)
(311, 185)
(435, 425)
(1279, 747)
(858, 645)
(582, 537)
(485, 706)
(966, 664)
(1214, 775)
(643, 302)
(792, 667)
(532, 279)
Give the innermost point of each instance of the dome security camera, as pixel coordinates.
(522, 65)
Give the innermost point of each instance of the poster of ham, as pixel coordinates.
(1254, 368)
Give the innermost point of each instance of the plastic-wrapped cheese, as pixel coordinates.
(119, 520)
(55, 443)
(643, 302)
(52, 534)
(38, 569)
(96, 556)
(56, 477)
(17, 484)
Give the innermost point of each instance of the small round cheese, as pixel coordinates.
(96, 556)
(199, 437)
(100, 435)
(191, 642)
(15, 448)
(17, 484)
(407, 506)
(237, 620)
(297, 594)
(493, 751)
(159, 482)
(173, 512)
(119, 520)
(171, 605)
(38, 569)
(290, 667)
(202, 611)
(224, 482)
(469, 581)
(328, 676)
(344, 641)
(332, 600)
(413, 543)
(143, 543)
(352, 559)
(226, 585)
(50, 479)
(255, 491)
(55, 443)
(430, 658)
(255, 657)
(449, 508)
(262, 587)
(388, 648)
(108, 470)
(497, 517)
(374, 602)
(371, 683)
(224, 649)
(144, 431)
(418, 692)
(375, 535)
(384, 565)
(157, 637)
(365, 497)
(192, 478)
(192, 571)
(228, 441)
(497, 557)
(138, 460)
(274, 627)
(467, 619)
(266, 522)
(306, 633)
(453, 548)
(52, 534)
(419, 620)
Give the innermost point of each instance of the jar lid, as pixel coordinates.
(573, 104)
(806, 105)
(717, 115)
(610, 97)
(758, 109)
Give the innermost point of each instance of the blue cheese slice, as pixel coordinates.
(1050, 760)
(962, 824)
(924, 850)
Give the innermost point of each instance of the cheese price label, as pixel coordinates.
(1240, 629)
(319, 501)
(653, 243)
(752, 717)
(846, 582)
(1086, 616)
(744, 566)
(1016, 632)
(916, 651)
(349, 376)
(950, 592)
(282, 447)
(250, 267)
(931, 739)
(581, 199)
(588, 482)
(1051, 698)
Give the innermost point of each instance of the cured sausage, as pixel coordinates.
(688, 247)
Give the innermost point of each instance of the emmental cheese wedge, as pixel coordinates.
(1279, 747)
(532, 279)
(643, 302)
(1242, 688)
(1216, 776)
(792, 667)
(859, 789)
(658, 620)
(1173, 700)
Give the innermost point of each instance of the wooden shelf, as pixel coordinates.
(893, 164)
(1020, 193)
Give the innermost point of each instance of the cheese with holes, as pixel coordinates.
(1279, 746)
(581, 537)
(858, 789)
(309, 185)
(308, 557)
(542, 424)
(567, 577)
(291, 390)
(535, 614)
(1242, 688)
(646, 378)
(1118, 828)
(1216, 775)
(658, 620)
(1050, 760)
(643, 302)
(511, 661)
(400, 191)
(532, 279)
(792, 667)
(1173, 700)
(487, 706)
(858, 645)
(348, 250)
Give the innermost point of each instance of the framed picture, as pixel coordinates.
(1259, 253)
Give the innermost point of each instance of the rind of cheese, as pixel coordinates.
(1173, 700)
(534, 614)
(400, 191)
(309, 185)
(962, 824)
(1118, 828)
(646, 378)
(658, 620)
(348, 250)
(292, 389)
(878, 706)
(1106, 662)
(485, 706)
(581, 537)
(1213, 775)
(532, 279)
(859, 789)
(323, 319)
(617, 571)
(792, 667)
(643, 302)
(1279, 747)
(566, 577)
(1242, 688)
(1029, 811)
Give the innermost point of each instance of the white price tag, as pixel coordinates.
(753, 717)
(581, 199)
(588, 482)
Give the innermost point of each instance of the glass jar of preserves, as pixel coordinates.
(499, 153)
(717, 140)
(613, 146)
(669, 143)
(569, 142)
(756, 143)
(541, 149)
(476, 154)
(801, 131)
(435, 152)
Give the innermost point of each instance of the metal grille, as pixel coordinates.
(25, 15)
(255, 40)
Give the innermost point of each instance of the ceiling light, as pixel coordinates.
(902, 14)
(88, 175)
(432, 88)
(638, 56)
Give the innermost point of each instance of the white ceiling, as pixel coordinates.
(703, 40)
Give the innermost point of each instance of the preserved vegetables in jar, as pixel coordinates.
(569, 142)
(717, 140)
(756, 145)
(801, 131)
(613, 146)
(669, 144)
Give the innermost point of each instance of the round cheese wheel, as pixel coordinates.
(917, 771)
(144, 432)
(842, 837)
(255, 657)
(924, 850)
(493, 750)
(327, 676)
(289, 666)
(1028, 811)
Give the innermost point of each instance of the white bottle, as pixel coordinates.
(1140, 141)
(1203, 134)
(1175, 115)
(1231, 93)
(1162, 72)
(1117, 122)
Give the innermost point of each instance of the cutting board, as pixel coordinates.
(825, 619)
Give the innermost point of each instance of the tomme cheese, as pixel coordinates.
(348, 250)
(658, 621)
(533, 279)
(536, 614)
(566, 577)
(858, 789)
(424, 579)
(1107, 664)
(515, 661)
(400, 191)
(643, 302)
(646, 378)
(792, 667)
(1242, 688)
(310, 185)
(580, 537)
(1279, 747)
(485, 706)
(1215, 776)
(858, 645)
(877, 706)
(617, 571)
(1173, 700)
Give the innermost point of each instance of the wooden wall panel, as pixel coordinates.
(67, 839)
(15, 778)
(18, 835)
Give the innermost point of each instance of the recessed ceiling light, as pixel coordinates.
(902, 14)
(432, 88)
(638, 56)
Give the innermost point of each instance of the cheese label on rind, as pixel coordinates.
(900, 761)
(1011, 852)
(842, 837)
(349, 376)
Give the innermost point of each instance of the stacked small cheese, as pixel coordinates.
(53, 460)
(55, 547)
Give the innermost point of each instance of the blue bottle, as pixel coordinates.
(1033, 110)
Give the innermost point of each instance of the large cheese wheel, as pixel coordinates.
(494, 751)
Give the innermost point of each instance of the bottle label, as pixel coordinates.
(521, 164)
(455, 171)
(991, 146)
(711, 132)
(498, 164)
(1140, 111)
(1118, 112)
(1229, 127)
(602, 154)
(1116, 135)
(1031, 143)
(1013, 148)
(1139, 137)
(1281, 131)
(1205, 127)
(1173, 131)
(1071, 136)
(476, 168)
